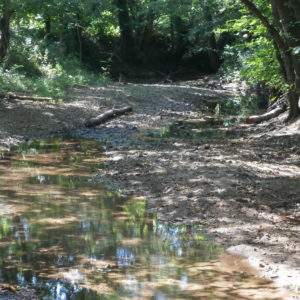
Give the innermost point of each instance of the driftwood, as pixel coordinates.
(18, 97)
(267, 116)
(110, 114)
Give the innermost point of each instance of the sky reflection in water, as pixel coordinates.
(72, 239)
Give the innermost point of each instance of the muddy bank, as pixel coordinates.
(243, 183)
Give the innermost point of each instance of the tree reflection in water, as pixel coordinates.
(72, 239)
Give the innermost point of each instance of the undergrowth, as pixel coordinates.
(242, 106)
(52, 82)
(40, 68)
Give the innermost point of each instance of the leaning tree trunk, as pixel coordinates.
(286, 35)
(287, 20)
(5, 30)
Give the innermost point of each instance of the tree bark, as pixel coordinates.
(294, 109)
(213, 56)
(47, 22)
(5, 29)
(267, 116)
(127, 40)
(288, 22)
(107, 116)
(286, 35)
(180, 32)
(146, 34)
(79, 36)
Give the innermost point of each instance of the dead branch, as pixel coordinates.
(18, 97)
(110, 114)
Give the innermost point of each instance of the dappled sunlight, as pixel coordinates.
(274, 169)
(245, 189)
(60, 221)
(228, 278)
(68, 236)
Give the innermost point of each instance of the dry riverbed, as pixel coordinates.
(242, 182)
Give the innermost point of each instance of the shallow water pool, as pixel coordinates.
(70, 238)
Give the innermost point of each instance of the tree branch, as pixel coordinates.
(18, 97)
(264, 20)
(113, 113)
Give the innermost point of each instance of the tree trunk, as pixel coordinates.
(47, 20)
(288, 23)
(5, 29)
(178, 44)
(267, 116)
(146, 34)
(294, 109)
(172, 34)
(127, 40)
(213, 56)
(79, 36)
(286, 36)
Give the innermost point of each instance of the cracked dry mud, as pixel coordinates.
(243, 184)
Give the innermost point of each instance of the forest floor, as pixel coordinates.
(242, 182)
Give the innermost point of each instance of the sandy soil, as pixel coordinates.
(243, 184)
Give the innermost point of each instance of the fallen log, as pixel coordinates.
(267, 116)
(110, 114)
(18, 97)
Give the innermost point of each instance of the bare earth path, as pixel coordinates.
(243, 183)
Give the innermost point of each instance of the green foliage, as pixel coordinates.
(55, 44)
(53, 82)
(241, 106)
(40, 68)
(43, 33)
(40, 62)
(230, 107)
(5, 226)
(253, 56)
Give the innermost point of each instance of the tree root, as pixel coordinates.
(267, 116)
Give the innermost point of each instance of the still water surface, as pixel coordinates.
(70, 238)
